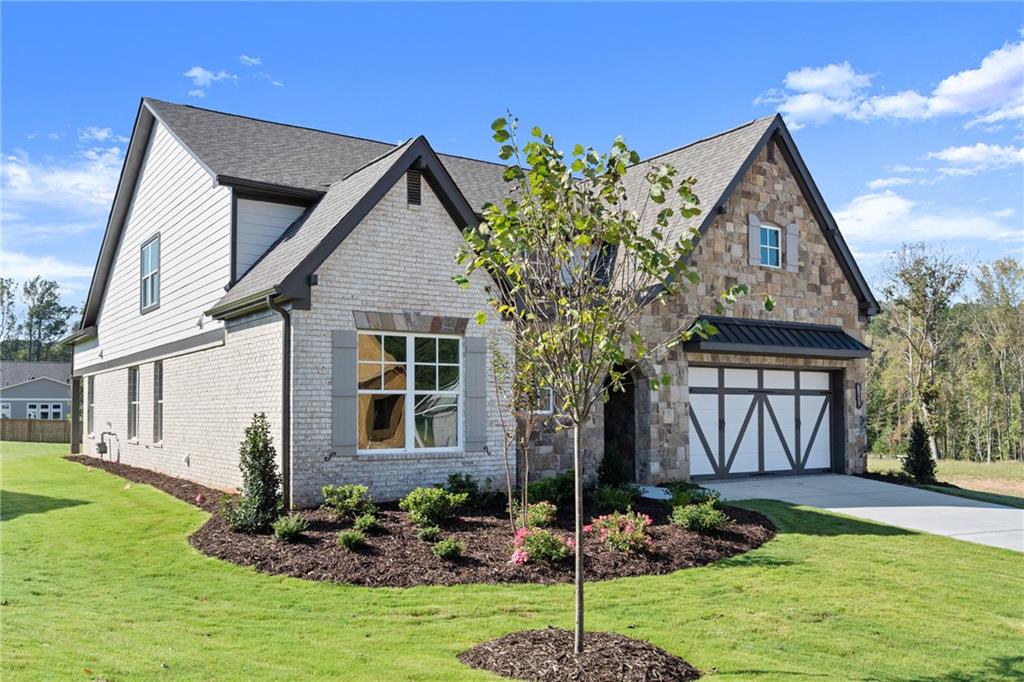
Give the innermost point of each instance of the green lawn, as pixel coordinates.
(1001, 482)
(99, 582)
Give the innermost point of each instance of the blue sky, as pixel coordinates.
(910, 117)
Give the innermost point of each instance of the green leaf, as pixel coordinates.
(461, 280)
(769, 303)
(499, 124)
(481, 318)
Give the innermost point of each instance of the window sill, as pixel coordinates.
(133, 441)
(402, 455)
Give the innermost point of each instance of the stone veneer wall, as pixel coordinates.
(818, 293)
(210, 397)
(398, 260)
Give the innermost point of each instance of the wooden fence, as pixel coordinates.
(36, 430)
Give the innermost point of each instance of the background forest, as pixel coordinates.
(31, 331)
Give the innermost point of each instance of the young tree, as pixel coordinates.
(576, 263)
(260, 503)
(46, 320)
(918, 461)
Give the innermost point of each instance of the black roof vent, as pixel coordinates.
(771, 151)
(413, 180)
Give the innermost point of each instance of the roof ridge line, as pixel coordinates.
(375, 160)
(702, 140)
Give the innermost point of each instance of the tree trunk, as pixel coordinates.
(577, 461)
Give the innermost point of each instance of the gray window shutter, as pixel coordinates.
(792, 247)
(476, 393)
(344, 405)
(754, 239)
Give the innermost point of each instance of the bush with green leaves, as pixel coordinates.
(614, 469)
(462, 483)
(289, 528)
(918, 462)
(368, 523)
(431, 506)
(448, 549)
(353, 540)
(704, 517)
(348, 501)
(539, 544)
(541, 514)
(629, 532)
(260, 503)
(557, 489)
(615, 499)
(429, 534)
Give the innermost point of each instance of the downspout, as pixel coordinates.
(286, 403)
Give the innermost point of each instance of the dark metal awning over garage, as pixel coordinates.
(770, 337)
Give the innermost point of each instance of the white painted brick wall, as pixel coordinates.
(210, 397)
(399, 259)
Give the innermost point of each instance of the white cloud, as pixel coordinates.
(89, 178)
(249, 60)
(204, 78)
(197, 93)
(992, 93)
(903, 168)
(980, 156)
(22, 266)
(882, 183)
(97, 134)
(890, 218)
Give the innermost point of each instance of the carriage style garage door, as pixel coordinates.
(749, 421)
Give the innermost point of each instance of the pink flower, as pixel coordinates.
(519, 557)
(587, 528)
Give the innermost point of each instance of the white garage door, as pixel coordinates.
(748, 421)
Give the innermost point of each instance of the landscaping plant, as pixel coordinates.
(918, 462)
(368, 523)
(289, 528)
(352, 539)
(614, 470)
(431, 506)
(540, 514)
(703, 517)
(577, 263)
(429, 534)
(628, 532)
(448, 549)
(609, 498)
(260, 502)
(348, 501)
(556, 489)
(539, 544)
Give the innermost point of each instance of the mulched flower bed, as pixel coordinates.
(207, 499)
(397, 558)
(547, 655)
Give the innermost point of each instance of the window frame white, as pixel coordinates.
(5, 410)
(90, 404)
(53, 411)
(766, 246)
(158, 402)
(550, 409)
(133, 404)
(410, 392)
(149, 281)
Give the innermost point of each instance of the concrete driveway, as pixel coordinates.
(896, 505)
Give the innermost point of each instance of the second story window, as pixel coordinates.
(150, 281)
(771, 246)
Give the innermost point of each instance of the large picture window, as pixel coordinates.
(150, 282)
(133, 403)
(407, 374)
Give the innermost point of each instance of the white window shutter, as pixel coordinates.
(476, 393)
(792, 247)
(754, 239)
(344, 403)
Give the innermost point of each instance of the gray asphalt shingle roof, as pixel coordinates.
(17, 372)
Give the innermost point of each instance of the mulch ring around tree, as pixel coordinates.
(397, 558)
(547, 655)
(200, 496)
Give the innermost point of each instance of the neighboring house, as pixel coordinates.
(251, 266)
(35, 390)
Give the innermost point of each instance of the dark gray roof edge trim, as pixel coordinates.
(789, 351)
(244, 306)
(80, 334)
(295, 284)
(269, 188)
(752, 322)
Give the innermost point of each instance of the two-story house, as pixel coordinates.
(251, 266)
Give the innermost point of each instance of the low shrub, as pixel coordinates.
(289, 528)
(918, 462)
(353, 540)
(448, 549)
(368, 524)
(702, 518)
(614, 470)
(429, 534)
(629, 532)
(682, 496)
(431, 506)
(556, 489)
(540, 514)
(538, 544)
(462, 483)
(348, 501)
(611, 499)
